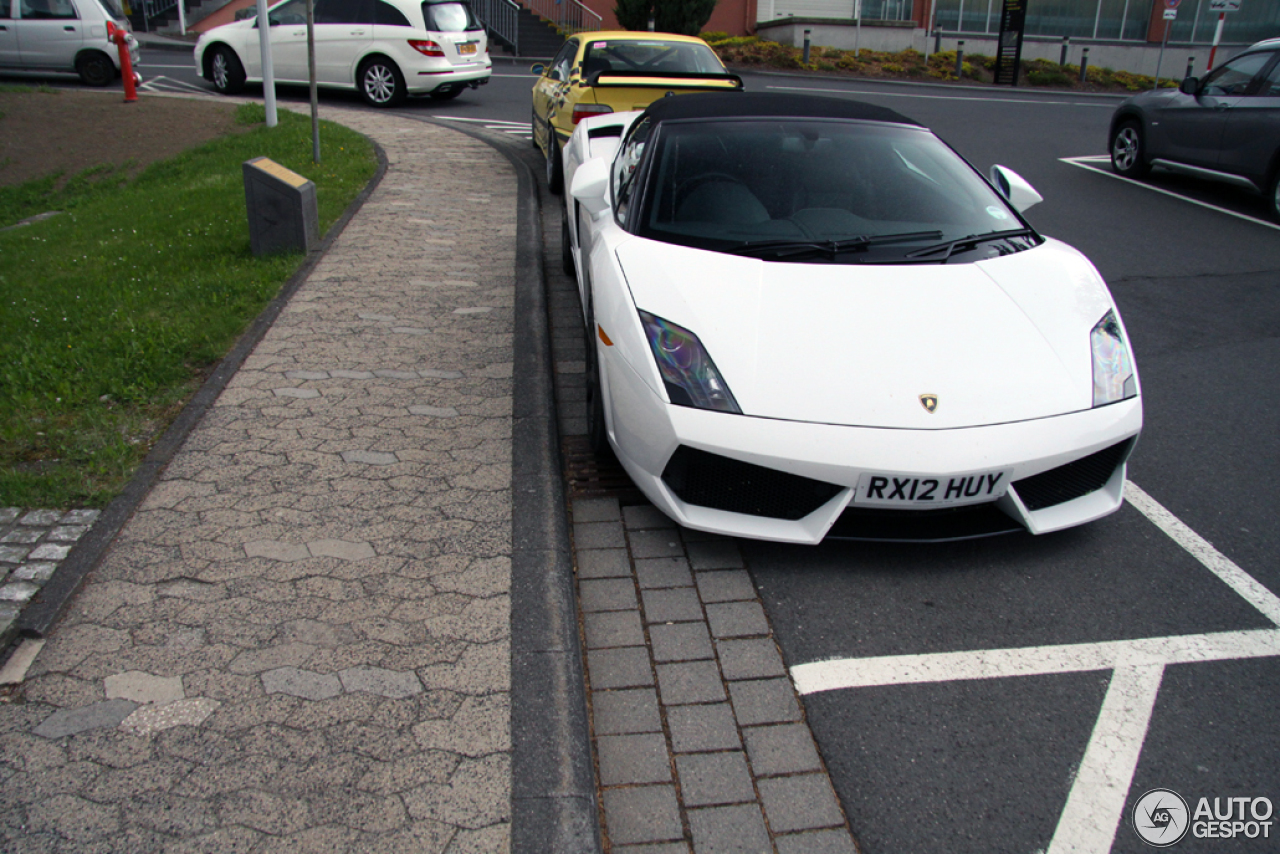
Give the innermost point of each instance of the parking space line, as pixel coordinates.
(1095, 805)
(1202, 550)
(838, 674)
(1092, 163)
(879, 93)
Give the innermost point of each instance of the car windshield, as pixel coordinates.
(819, 190)
(651, 55)
(449, 17)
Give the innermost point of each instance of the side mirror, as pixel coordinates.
(591, 185)
(1015, 188)
(537, 68)
(1189, 86)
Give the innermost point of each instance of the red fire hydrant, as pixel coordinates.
(118, 35)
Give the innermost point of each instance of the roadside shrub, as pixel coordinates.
(712, 36)
(1048, 77)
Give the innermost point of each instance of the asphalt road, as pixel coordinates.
(1057, 755)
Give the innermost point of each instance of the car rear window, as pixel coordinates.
(449, 17)
(112, 8)
(651, 55)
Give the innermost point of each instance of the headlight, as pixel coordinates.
(1113, 378)
(690, 377)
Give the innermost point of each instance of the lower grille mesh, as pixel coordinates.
(721, 483)
(1072, 480)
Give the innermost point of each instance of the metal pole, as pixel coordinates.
(268, 70)
(960, 58)
(182, 17)
(1084, 65)
(806, 47)
(960, 18)
(1066, 43)
(857, 29)
(987, 28)
(1096, 19)
(1160, 57)
(933, 26)
(1191, 67)
(1124, 19)
(1217, 37)
(1195, 22)
(311, 75)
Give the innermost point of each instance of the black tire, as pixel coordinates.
(555, 169)
(448, 95)
(566, 246)
(597, 434)
(381, 83)
(225, 71)
(95, 68)
(1129, 150)
(1273, 194)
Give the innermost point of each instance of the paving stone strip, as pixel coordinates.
(300, 641)
(700, 737)
(32, 544)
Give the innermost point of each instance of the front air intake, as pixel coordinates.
(721, 483)
(1072, 480)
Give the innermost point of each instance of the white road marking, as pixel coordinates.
(164, 84)
(1095, 805)
(1088, 161)
(1202, 550)
(879, 93)
(844, 673)
(499, 125)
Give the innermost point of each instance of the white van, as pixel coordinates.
(63, 36)
(385, 49)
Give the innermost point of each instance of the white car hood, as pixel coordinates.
(996, 341)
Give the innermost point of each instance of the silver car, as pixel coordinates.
(1224, 127)
(63, 36)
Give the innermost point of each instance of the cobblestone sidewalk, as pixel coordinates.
(301, 639)
(32, 544)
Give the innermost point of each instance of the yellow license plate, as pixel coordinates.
(469, 47)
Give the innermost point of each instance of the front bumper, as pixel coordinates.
(646, 432)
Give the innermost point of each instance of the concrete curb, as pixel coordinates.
(43, 610)
(553, 785)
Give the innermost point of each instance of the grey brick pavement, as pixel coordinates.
(300, 641)
(700, 738)
(33, 542)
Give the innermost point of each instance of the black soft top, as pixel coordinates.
(766, 105)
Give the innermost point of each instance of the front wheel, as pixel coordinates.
(381, 83)
(226, 72)
(1128, 155)
(597, 436)
(555, 169)
(1273, 194)
(95, 69)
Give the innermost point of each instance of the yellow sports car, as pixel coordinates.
(616, 71)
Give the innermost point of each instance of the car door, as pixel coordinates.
(1190, 127)
(344, 30)
(289, 41)
(550, 91)
(50, 34)
(1252, 132)
(9, 55)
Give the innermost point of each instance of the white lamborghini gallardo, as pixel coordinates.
(810, 318)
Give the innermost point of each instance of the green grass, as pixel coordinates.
(112, 313)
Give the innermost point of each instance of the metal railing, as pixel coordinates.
(569, 16)
(502, 19)
(152, 9)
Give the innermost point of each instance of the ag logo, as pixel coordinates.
(929, 402)
(1160, 818)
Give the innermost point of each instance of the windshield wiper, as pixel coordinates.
(788, 248)
(951, 246)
